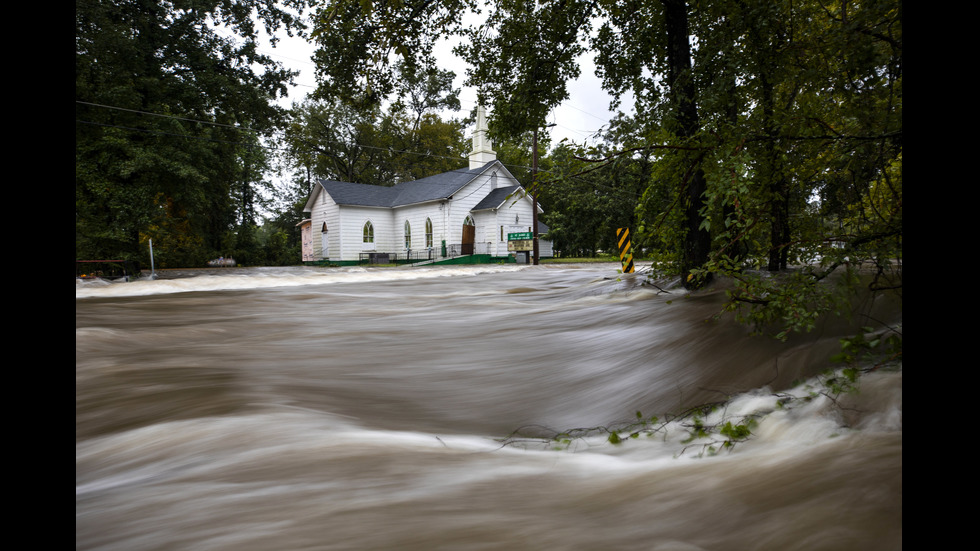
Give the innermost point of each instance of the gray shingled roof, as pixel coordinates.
(433, 188)
(496, 198)
(347, 193)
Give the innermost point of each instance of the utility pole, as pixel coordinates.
(534, 196)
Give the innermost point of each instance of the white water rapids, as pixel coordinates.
(367, 409)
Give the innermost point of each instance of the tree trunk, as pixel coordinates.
(697, 241)
(778, 186)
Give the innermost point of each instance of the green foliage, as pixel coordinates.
(737, 432)
(721, 432)
(174, 241)
(870, 349)
(359, 141)
(838, 383)
(168, 115)
(775, 142)
(804, 159)
(280, 236)
(358, 42)
(786, 302)
(522, 58)
(583, 212)
(707, 429)
(422, 91)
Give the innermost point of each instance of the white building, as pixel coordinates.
(461, 212)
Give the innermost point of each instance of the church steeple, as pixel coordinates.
(482, 152)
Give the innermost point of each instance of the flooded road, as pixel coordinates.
(314, 408)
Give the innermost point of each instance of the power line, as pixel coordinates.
(161, 133)
(148, 113)
(277, 149)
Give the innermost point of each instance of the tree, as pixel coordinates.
(686, 125)
(747, 110)
(585, 206)
(335, 141)
(794, 92)
(522, 59)
(821, 112)
(352, 139)
(167, 109)
(424, 91)
(358, 41)
(338, 141)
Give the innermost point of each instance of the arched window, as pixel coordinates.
(368, 232)
(469, 221)
(428, 232)
(408, 235)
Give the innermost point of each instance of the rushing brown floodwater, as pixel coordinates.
(356, 409)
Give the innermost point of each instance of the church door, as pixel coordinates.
(469, 236)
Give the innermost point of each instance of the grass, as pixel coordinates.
(579, 259)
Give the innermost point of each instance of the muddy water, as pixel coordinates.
(310, 408)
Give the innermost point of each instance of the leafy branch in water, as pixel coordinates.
(871, 349)
(721, 435)
(790, 301)
(709, 429)
(707, 426)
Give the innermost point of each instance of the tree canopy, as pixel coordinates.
(763, 139)
(172, 99)
(355, 140)
(763, 134)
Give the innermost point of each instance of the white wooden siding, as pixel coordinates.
(352, 222)
(346, 224)
(325, 210)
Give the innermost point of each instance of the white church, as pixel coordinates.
(465, 215)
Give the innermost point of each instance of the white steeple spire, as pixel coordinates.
(482, 152)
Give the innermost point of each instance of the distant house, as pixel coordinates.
(458, 213)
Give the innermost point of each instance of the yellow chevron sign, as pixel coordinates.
(625, 249)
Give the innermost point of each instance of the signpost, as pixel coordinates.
(625, 249)
(521, 241)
